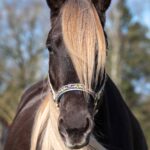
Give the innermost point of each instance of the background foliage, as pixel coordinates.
(23, 58)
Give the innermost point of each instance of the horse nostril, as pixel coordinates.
(61, 121)
(62, 128)
(89, 125)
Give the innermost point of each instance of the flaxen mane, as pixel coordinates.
(84, 38)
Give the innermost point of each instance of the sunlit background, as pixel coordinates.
(24, 26)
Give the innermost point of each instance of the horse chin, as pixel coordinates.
(76, 145)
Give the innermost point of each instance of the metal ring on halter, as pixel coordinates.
(73, 87)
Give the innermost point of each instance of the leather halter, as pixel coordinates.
(77, 87)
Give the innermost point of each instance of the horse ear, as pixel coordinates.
(103, 4)
(55, 4)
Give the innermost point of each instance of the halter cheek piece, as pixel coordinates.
(77, 87)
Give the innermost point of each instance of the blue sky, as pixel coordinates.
(141, 11)
(139, 8)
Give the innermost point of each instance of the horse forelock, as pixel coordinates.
(84, 39)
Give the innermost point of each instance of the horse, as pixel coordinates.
(77, 106)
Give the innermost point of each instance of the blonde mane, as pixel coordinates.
(84, 38)
(85, 41)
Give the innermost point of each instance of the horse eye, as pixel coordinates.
(50, 49)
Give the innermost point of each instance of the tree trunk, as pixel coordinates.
(116, 43)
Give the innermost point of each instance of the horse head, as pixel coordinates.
(77, 52)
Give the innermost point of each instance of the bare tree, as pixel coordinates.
(22, 51)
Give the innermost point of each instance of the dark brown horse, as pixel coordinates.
(91, 113)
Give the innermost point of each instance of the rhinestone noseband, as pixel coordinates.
(73, 87)
(76, 87)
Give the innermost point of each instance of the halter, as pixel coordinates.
(77, 87)
(72, 87)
